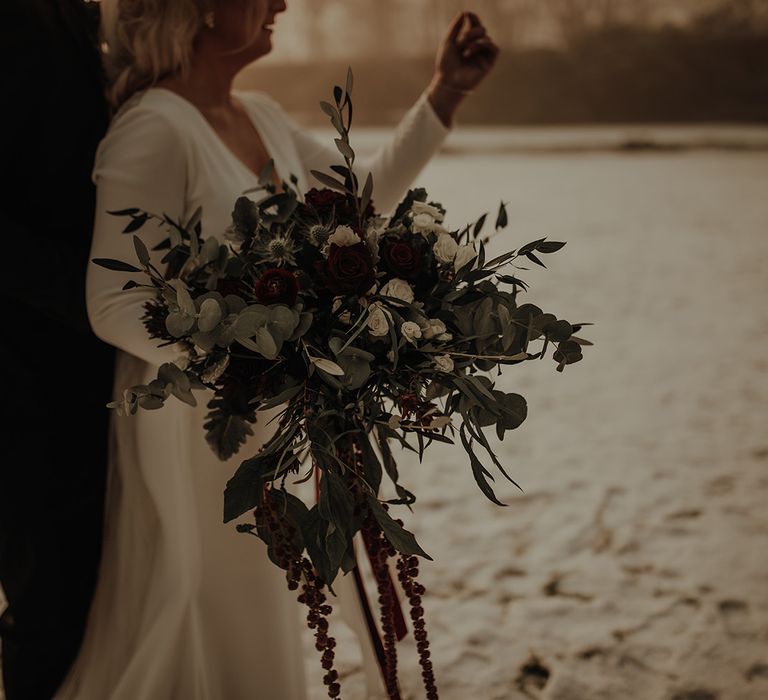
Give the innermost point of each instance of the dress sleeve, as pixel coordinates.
(394, 166)
(142, 163)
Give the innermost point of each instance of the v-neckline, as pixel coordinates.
(253, 121)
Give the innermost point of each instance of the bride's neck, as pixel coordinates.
(207, 83)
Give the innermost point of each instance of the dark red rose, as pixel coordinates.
(276, 286)
(350, 269)
(323, 200)
(401, 258)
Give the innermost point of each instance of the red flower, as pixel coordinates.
(350, 269)
(323, 200)
(401, 258)
(276, 286)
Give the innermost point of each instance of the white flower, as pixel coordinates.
(378, 324)
(444, 363)
(399, 289)
(344, 235)
(444, 336)
(423, 208)
(424, 223)
(410, 331)
(445, 248)
(436, 327)
(464, 254)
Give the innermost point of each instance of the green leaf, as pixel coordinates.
(478, 470)
(345, 149)
(501, 218)
(115, 265)
(349, 81)
(400, 538)
(210, 315)
(225, 434)
(367, 193)
(178, 324)
(136, 223)
(479, 226)
(371, 464)
(245, 489)
(328, 181)
(124, 212)
(141, 251)
(549, 246)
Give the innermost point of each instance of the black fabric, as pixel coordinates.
(56, 376)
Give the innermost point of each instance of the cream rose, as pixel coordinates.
(424, 224)
(423, 208)
(399, 289)
(410, 331)
(444, 363)
(445, 248)
(344, 235)
(378, 325)
(436, 327)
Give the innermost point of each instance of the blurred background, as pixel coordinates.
(634, 563)
(562, 61)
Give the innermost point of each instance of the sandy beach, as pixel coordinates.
(635, 563)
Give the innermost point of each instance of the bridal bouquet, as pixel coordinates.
(361, 330)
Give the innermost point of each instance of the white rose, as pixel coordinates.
(424, 224)
(445, 248)
(444, 336)
(423, 208)
(399, 289)
(444, 363)
(436, 327)
(378, 324)
(410, 331)
(464, 254)
(344, 235)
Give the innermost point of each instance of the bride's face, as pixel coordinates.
(245, 26)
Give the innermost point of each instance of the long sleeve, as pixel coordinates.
(142, 163)
(395, 165)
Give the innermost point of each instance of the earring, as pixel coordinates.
(210, 20)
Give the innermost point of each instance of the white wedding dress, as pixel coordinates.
(186, 608)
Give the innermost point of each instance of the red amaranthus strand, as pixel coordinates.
(298, 567)
(407, 570)
(381, 550)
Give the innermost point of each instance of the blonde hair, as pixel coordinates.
(147, 40)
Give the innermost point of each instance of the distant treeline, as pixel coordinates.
(611, 74)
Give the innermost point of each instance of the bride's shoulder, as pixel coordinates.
(148, 125)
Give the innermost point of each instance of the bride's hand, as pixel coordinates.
(464, 59)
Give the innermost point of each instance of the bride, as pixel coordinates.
(186, 608)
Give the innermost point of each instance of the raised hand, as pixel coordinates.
(464, 59)
(466, 55)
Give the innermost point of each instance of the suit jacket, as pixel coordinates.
(55, 115)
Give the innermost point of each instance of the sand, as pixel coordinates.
(635, 565)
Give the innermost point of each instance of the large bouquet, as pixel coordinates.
(360, 329)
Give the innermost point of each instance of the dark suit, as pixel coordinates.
(55, 375)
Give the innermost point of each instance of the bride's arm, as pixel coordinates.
(141, 163)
